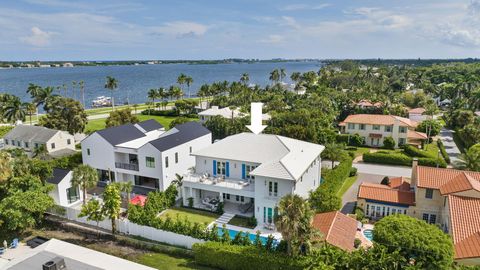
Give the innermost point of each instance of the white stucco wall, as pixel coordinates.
(59, 192)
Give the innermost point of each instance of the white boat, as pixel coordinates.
(102, 101)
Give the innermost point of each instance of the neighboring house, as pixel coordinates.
(374, 128)
(144, 153)
(57, 254)
(29, 137)
(63, 193)
(226, 112)
(367, 104)
(250, 174)
(446, 197)
(418, 115)
(337, 229)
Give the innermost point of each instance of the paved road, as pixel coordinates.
(350, 197)
(384, 170)
(452, 150)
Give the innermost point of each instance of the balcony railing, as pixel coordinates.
(126, 166)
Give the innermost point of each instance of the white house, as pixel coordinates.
(226, 112)
(29, 137)
(63, 193)
(418, 115)
(251, 173)
(144, 153)
(374, 128)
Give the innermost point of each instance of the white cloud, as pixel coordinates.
(382, 18)
(38, 37)
(295, 7)
(273, 39)
(181, 29)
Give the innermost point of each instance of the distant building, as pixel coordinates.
(374, 128)
(56, 254)
(67, 64)
(418, 115)
(63, 193)
(226, 112)
(29, 137)
(365, 104)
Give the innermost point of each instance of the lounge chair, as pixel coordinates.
(14, 243)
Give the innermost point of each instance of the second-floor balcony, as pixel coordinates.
(219, 183)
(127, 166)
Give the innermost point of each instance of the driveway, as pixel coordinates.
(350, 197)
(390, 170)
(452, 150)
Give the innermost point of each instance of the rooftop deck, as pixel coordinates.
(218, 183)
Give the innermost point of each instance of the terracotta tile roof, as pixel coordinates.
(337, 229)
(461, 182)
(431, 177)
(368, 103)
(465, 225)
(400, 183)
(417, 111)
(412, 134)
(383, 193)
(379, 119)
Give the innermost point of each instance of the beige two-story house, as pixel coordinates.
(374, 128)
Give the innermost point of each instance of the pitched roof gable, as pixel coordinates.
(180, 134)
(337, 229)
(384, 193)
(461, 182)
(31, 133)
(379, 119)
(149, 125)
(120, 134)
(58, 175)
(434, 178)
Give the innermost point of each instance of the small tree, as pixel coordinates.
(126, 187)
(111, 204)
(356, 140)
(333, 152)
(389, 143)
(416, 240)
(323, 200)
(121, 117)
(84, 177)
(470, 160)
(385, 181)
(93, 211)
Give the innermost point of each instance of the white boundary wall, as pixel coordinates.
(129, 228)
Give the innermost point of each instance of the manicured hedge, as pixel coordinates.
(443, 151)
(401, 159)
(234, 257)
(333, 180)
(342, 138)
(415, 152)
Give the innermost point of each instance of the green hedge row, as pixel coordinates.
(443, 151)
(401, 159)
(234, 257)
(333, 179)
(415, 152)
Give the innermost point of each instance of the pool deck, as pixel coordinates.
(263, 232)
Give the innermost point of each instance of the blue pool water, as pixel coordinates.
(252, 237)
(368, 234)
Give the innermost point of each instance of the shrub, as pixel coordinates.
(387, 158)
(356, 140)
(252, 221)
(357, 242)
(190, 202)
(432, 162)
(433, 126)
(342, 138)
(359, 214)
(443, 151)
(385, 181)
(353, 171)
(389, 143)
(160, 113)
(415, 152)
(324, 200)
(235, 257)
(333, 179)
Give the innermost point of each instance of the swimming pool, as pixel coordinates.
(368, 234)
(252, 236)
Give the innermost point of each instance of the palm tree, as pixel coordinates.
(294, 222)
(181, 79)
(126, 187)
(175, 92)
(111, 84)
(283, 74)
(162, 93)
(15, 111)
(470, 160)
(245, 79)
(40, 151)
(135, 106)
(333, 152)
(82, 92)
(31, 109)
(178, 181)
(74, 84)
(34, 91)
(188, 81)
(111, 204)
(45, 96)
(203, 92)
(274, 76)
(152, 94)
(84, 177)
(296, 76)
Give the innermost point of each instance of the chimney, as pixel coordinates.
(414, 173)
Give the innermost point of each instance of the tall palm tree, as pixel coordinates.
(245, 79)
(162, 93)
(126, 187)
(188, 81)
(283, 74)
(15, 111)
(152, 94)
(470, 160)
(293, 221)
(296, 76)
(111, 84)
(181, 79)
(84, 177)
(175, 92)
(46, 94)
(333, 152)
(275, 76)
(31, 109)
(74, 85)
(203, 92)
(34, 91)
(82, 92)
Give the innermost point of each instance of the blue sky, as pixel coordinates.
(211, 29)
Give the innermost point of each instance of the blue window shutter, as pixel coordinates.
(227, 169)
(214, 167)
(243, 172)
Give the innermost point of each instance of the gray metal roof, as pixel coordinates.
(120, 134)
(180, 134)
(58, 175)
(31, 133)
(149, 125)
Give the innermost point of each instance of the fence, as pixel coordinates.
(129, 228)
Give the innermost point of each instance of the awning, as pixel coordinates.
(375, 135)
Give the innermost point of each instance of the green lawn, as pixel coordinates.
(192, 215)
(97, 124)
(346, 185)
(358, 150)
(432, 149)
(164, 261)
(241, 222)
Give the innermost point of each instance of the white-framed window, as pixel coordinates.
(221, 167)
(401, 141)
(88, 151)
(429, 193)
(362, 126)
(176, 157)
(166, 162)
(191, 149)
(376, 127)
(6, 141)
(52, 145)
(272, 188)
(69, 141)
(388, 128)
(351, 126)
(26, 145)
(248, 169)
(403, 130)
